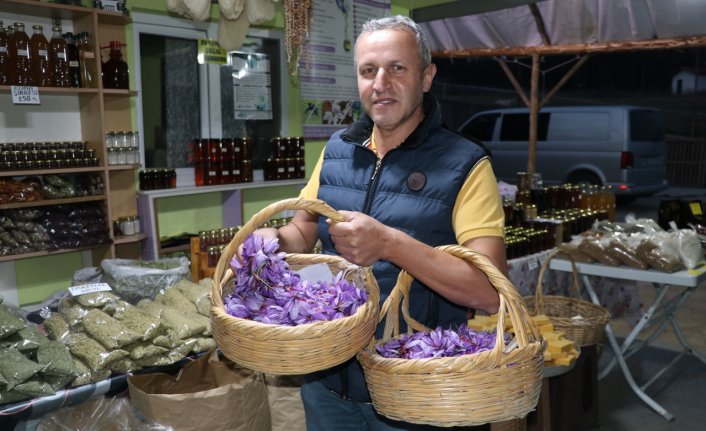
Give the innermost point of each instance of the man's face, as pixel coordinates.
(391, 82)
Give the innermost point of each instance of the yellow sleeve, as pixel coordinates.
(311, 189)
(478, 209)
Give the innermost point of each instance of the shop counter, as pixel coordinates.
(661, 312)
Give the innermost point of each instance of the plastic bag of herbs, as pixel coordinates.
(134, 279)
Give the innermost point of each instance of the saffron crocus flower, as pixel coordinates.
(268, 291)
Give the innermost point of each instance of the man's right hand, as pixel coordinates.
(265, 232)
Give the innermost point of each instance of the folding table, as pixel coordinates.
(662, 312)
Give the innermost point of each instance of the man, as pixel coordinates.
(405, 185)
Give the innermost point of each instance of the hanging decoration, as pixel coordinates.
(297, 26)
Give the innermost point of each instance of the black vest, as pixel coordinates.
(414, 190)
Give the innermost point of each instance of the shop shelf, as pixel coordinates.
(56, 90)
(126, 239)
(50, 252)
(49, 202)
(50, 171)
(57, 11)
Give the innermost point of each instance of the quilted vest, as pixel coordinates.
(414, 190)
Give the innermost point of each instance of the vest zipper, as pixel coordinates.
(373, 186)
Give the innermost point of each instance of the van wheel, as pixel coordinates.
(584, 179)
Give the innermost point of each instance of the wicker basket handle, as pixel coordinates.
(510, 302)
(222, 268)
(538, 293)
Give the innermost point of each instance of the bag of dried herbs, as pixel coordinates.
(10, 323)
(90, 351)
(71, 311)
(34, 387)
(25, 340)
(196, 293)
(134, 280)
(108, 331)
(56, 326)
(16, 368)
(174, 298)
(137, 320)
(56, 360)
(96, 299)
(86, 375)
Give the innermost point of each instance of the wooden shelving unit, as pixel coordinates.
(100, 110)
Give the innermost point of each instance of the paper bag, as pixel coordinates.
(286, 406)
(207, 394)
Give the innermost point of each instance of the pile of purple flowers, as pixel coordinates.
(439, 343)
(268, 291)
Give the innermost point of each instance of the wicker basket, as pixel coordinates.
(560, 310)
(467, 390)
(302, 349)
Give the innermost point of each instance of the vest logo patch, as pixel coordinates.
(416, 181)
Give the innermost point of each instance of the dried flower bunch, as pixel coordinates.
(439, 343)
(297, 25)
(268, 291)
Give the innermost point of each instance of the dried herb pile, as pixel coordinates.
(30, 364)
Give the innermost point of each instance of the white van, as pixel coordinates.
(621, 146)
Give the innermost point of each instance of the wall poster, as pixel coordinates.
(252, 86)
(329, 91)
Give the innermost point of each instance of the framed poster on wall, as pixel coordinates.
(329, 91)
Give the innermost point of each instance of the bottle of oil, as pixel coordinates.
(39, 57)
(4, 58)
(58, 59)
(20, 63)
(72, 58)
(87, 61)
(115, 70)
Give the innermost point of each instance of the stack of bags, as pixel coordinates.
(30, 364)
(106, 334)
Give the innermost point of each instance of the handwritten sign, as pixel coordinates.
(89, 288)
(25, 95)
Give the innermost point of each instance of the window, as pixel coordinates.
(579, 126)
(646, 126)
(179, 100)
(515, 127)
(481, 127)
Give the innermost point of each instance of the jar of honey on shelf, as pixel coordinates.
(39, 58)
(19, 53)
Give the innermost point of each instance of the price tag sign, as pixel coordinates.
(24, 95)
(89, 288)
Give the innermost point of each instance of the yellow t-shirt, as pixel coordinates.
(478, 209)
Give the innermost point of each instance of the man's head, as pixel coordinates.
(394, 70)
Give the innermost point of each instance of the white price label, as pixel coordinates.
(89, 288)
(533, 263)
(25, 95)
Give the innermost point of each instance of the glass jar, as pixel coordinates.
(127, 226)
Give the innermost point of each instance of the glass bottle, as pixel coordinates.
(4, 57)
(72, 58)
(87, 61)
(115, 70)
(20, 64)
(58, 59)
(39, 56)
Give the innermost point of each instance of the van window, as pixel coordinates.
(646, 126)
(515, 127)
(579, 126)
(481, 127)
